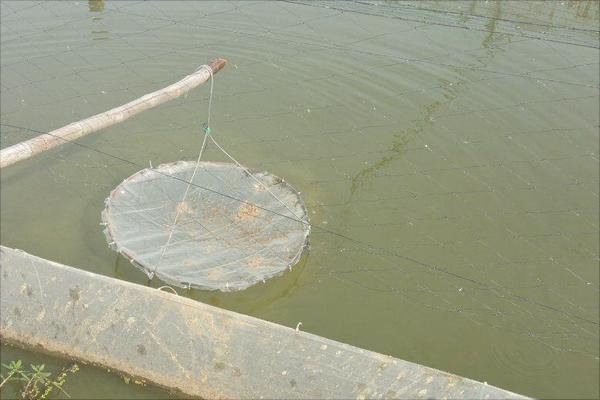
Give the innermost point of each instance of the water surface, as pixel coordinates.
(452, 148)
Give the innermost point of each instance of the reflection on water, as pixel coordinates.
(455, 143)
(96, 5)
(585, 8)
(491, 26)
(100, 35)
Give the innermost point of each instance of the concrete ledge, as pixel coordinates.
(197, 349)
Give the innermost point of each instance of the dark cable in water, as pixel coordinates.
(318, 227)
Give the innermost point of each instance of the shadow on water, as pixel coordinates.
(450, 92)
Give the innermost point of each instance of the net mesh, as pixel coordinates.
(222, 238)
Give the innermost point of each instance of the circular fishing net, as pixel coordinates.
(235, 228)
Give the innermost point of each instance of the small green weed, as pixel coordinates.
(34, 382)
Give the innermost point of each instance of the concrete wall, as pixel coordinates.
(200, 350)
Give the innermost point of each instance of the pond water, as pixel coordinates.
(447, 154)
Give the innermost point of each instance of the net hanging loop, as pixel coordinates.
(206, 126)
(224, 231)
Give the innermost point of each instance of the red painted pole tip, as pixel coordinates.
(217, 64)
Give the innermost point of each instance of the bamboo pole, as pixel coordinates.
(75, 130)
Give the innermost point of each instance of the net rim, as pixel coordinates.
(105, 215)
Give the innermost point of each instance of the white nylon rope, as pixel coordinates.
(206, 129)
(257, 180)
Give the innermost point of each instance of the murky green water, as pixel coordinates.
(459, 139)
